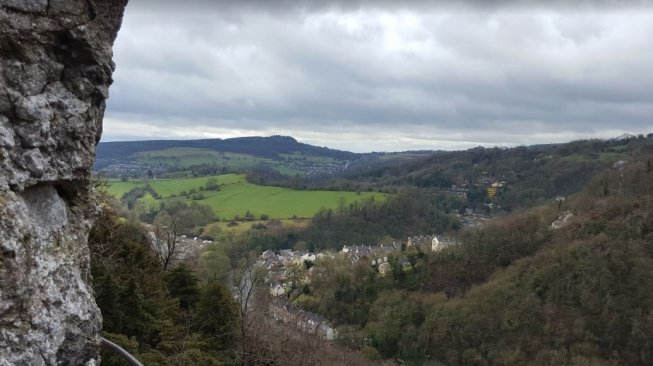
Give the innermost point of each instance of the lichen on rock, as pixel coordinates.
(55, 71)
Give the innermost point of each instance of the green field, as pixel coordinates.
(237, 196)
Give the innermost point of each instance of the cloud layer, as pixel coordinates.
(368, 76)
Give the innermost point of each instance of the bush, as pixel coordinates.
(249, 216)
(371, 353)
(259, 226)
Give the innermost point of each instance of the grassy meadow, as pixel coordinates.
(236, 196)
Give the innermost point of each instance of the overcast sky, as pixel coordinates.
(372, 76)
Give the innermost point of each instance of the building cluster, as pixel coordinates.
(312, 168)
(303, 320)
(460, 191)
(286, 257)
(373, 252)
(282, 274)
(132, 169)
(377, 255)
(278, 267)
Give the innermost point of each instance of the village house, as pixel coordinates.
(425, 242)
(374, 253)
(303, 320)
(277, 290)
(269, 255)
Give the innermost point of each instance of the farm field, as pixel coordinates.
(236, 196)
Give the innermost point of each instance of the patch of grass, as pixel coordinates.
(237, 196)
(117, 188)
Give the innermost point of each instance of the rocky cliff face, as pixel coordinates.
(55, 70)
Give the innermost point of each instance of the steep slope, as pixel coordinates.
(55, 62)
(522, 291)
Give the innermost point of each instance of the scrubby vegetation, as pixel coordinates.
(164, 318)
(516, 291)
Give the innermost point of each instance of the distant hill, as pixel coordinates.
(281, 153)
(257, 146)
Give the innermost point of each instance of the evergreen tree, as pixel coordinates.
(182, 285)
(217, 316)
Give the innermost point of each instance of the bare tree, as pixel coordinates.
(166, 244)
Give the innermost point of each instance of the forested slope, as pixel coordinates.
(529, 174)
(519, 292)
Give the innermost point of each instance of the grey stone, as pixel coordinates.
(55, 69)
(34, 162)
(26, 5)
(34, 108)
(6, 133)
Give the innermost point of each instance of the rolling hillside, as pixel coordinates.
(210, 156)
(236, 196)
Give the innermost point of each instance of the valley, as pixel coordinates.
(403, 255)
(318, 183)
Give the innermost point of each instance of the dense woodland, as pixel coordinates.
(513, 292)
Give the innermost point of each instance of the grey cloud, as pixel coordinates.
(495, 76)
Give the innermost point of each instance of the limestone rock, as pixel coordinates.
(55, 71)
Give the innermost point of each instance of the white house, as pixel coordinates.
(326, 331)
(277, 290)
(435, 244)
